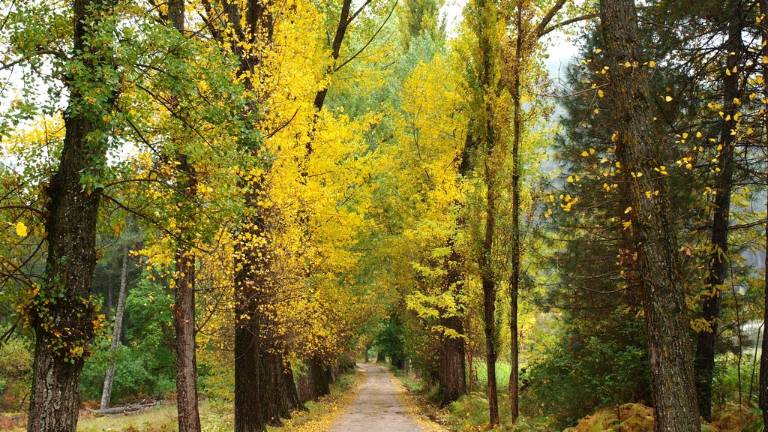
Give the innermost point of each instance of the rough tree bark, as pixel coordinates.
(61, 314)
(106, 392)
(263, 392)
(184, 324)
(318, 372)
(704, 360)
(451, 370)
(669, 338)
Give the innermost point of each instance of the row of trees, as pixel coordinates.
(663, 130)
(303, 193)
(199, 121)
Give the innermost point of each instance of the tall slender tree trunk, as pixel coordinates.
(61, 313)
(106, 392)
(669, 338)
(186, 361)
(704, 360)
(514, 281)
(489, 89)
(184, 277)
(763, 379)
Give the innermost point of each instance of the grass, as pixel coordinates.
(470, 413)
(503, 370)
(411, 382)
(214, 416)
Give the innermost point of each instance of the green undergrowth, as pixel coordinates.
(215, 416)
(470, 412)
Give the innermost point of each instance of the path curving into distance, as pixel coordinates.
(378, 406)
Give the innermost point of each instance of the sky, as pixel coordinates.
(560, 48)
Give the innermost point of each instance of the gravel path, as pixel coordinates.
(377, 406)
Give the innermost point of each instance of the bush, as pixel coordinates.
(145, 364)
(15, 373)
(572, 382)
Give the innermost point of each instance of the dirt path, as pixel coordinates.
(377, 407)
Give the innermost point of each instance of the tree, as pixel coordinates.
(763, 379)
(489, 131)
(639, 153)
(718, 268)
(106, 393)
(184, 306)
(61, 313)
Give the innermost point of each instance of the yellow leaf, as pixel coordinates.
(21, 229)
(668, 98)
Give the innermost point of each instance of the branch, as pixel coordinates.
(284, 125)
(566, 23)
(22, 207)
(154, 222)
(548, 17)
(357, 12)
(381, 27)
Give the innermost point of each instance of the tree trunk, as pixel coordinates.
(514, 282)
(763, 380)
(259, 370)
(184, 323)
(489, 312)
(471, 375)
(488, 44)
(264, 390)
(251, 278)
(380, 357)
(452, 370)
(666, 317)
(704, 362)
(106, 393)
(61, 314)
(184, 276)
(763, 394)
(451, 373)
(319, 377)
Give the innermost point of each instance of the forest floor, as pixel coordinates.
(369, 400)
